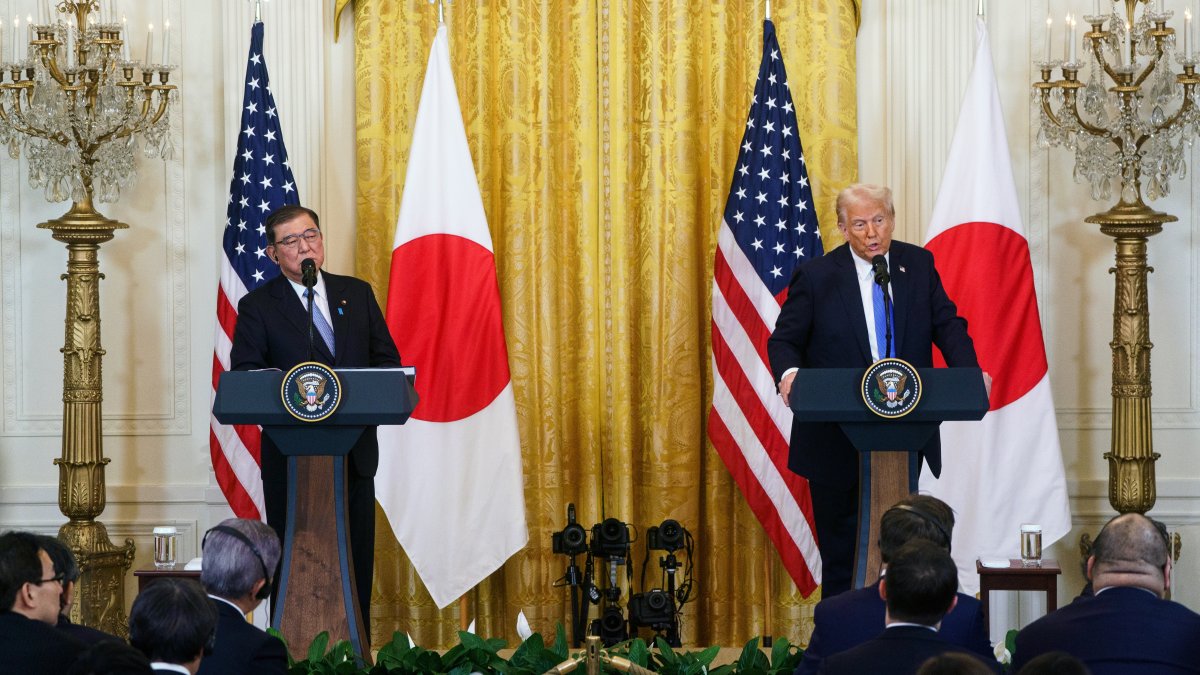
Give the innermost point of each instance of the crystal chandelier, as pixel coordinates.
(75, 107)
(1129, 125)
(1134, 131)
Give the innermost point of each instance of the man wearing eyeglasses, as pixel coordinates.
(272, 332)
(29, 594)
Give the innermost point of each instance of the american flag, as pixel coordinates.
(768, 229)
(262, 182)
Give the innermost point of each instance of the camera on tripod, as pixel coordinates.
(665, 537)
(573, 538)
(652, 609)
(610, 539)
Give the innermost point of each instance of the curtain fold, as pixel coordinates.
(603, 136)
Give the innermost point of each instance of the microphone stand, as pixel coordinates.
(887, 317)
(310, 281)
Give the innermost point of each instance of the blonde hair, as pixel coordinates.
(864, 192)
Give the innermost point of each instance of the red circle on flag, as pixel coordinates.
(986, 271)
(443, 311)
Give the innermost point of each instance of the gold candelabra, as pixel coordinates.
(73, 104)
(1129, 125)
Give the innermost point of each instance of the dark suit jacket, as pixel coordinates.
(241, 648)
(849, 619)
(1119, 630)
(272, 332)
(900, 650)
(85, 634)
(29, 647)
(822, 325)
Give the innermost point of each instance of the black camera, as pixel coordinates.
(653, 609)
(610, 539)
(573, 538)
(611, 626)
(666, 537)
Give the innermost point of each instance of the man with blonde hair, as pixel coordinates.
(836, 316)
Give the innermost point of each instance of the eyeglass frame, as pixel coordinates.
(292, 242)
(60, 577)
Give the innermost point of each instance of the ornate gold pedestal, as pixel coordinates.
(1131, 459)
(81, 497)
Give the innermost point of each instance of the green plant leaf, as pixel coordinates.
(316, 648)
(560, 643)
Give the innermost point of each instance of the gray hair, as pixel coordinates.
(864, 192)
(230, 568)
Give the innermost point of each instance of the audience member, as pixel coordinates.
(66, 567)
(1126, 626)
(954, 663)
(1055, 663)
(30, 595)
(173, 624)
(111, 658)
(240, 557)
(920, 587)
(852, 618)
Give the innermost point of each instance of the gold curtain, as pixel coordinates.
(604, 136)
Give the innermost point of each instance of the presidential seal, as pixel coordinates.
(891, 388)
(311, 391)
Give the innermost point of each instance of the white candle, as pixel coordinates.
(1096, 8)
(1049, 21)
(1067, 38)
(149, 45)
(124, 38)
(15, 37)
(1073, 40)
(69, 47)
(1187, 33)
(166, 40)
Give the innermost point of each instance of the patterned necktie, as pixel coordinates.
(320, 323)
(881, 324)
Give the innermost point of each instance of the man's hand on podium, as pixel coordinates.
(785, 387)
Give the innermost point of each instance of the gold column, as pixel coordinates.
(1131, 458)
(81, 494)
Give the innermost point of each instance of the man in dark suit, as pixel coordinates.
(829, 320)
(173, 624)
(920, 587)
(240, 557)
(851, 618)
(1127, 626)
(272, 332)
(66, 567)
(29, 602)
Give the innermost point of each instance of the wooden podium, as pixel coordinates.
(888, 463)
(316, 586)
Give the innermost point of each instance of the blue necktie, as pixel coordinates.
(321, 324)
(881, 324)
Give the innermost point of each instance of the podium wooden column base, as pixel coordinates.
(317, 590)
(884, 478)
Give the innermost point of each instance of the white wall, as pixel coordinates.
(915, 58)
(159, 295)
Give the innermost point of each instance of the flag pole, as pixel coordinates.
(462, 613)
(769, 619)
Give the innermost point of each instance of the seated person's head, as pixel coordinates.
(1055, 663)
(240, 557)
(173, 621)
(110, 657)
(921, 584)
(64, 565)
(915, 517)
(28, 584)
(954, 663)
(1130, 551)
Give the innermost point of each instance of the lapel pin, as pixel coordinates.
(902, 269)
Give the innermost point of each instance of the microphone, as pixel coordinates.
(881, 270)
(308, 267)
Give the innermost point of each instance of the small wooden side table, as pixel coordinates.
(148, 575)
(1017, 577)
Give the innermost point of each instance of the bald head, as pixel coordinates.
(1130, 551)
